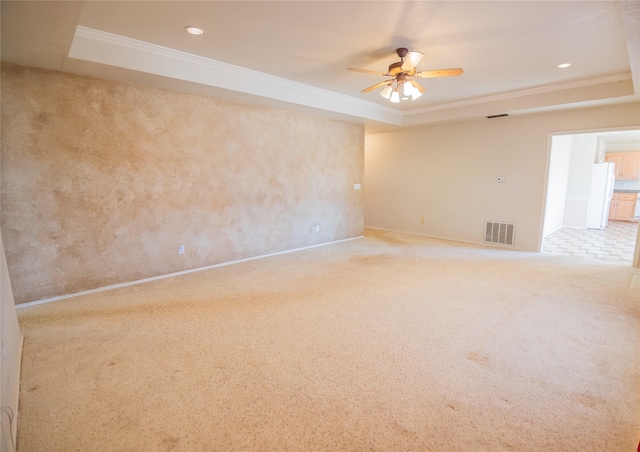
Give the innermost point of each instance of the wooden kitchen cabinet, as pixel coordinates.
(627, 165)
(623, 206)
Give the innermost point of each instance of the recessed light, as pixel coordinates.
(194, 30)
(564, 65)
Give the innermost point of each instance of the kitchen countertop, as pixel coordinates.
(626, 191)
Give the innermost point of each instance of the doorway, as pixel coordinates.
(568, 227)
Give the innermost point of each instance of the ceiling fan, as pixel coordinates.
(402, 86)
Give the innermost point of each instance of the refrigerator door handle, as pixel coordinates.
(612, 181)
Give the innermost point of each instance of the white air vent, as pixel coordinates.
(501, 233)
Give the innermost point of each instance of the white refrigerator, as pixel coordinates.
(602, 180)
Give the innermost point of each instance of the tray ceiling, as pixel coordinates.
(294, 55)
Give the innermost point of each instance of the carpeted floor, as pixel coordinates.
(389, 343)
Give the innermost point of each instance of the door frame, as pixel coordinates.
(636, 253)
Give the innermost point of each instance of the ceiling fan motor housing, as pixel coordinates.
(402, 52)
(396, 68)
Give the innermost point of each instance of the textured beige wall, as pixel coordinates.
(101, 181)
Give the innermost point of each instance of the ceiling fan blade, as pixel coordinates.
(376, 86)
(440, 73)
(411, 61)
(417, 86)
(366, 71)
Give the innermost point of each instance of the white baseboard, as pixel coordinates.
(169, 275)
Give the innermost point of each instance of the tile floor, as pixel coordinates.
(615, 243)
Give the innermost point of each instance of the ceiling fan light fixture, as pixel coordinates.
(402, 85)
(386, 91)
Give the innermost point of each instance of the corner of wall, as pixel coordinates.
(10, 359)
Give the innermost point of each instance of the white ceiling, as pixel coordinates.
(624, 140)
(294, 54)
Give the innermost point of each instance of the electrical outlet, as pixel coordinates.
(317, 228)
(181, 249)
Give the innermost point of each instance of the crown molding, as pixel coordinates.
(115, 50)
(96, 46)
(524, 93)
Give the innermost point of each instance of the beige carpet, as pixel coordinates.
(387, 343)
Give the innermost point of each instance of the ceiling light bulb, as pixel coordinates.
(395, 97)
(415, 94)
(194, 30)
(564, 65)
(407, 89)
(386, 92)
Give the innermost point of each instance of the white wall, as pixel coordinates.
(583, 156)
(558, 181)
(447, 173)
(11, 351)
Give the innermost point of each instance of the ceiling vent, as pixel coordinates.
(500, 233)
